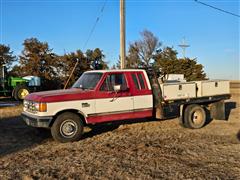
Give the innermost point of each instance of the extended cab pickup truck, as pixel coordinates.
(109, 95)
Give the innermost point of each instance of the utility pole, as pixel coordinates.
(183, 45)
(3, 76)
(122, 34)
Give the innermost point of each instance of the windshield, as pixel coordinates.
(88, 81)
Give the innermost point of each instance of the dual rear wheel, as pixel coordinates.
(194, 117)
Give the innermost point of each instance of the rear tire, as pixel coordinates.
(20, 92)
(68, 127)
(194, 117)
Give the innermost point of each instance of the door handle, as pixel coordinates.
(85, 105)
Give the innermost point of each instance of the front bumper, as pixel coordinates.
(37, 121)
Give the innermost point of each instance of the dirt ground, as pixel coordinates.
(140, 150)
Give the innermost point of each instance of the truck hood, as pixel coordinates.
(61, 95)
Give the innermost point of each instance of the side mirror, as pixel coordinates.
(117, 88)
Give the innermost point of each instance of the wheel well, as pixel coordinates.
(69, 110)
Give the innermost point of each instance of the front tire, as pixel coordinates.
(194, 117)
(68, 127)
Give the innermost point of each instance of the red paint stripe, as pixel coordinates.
(121, 116)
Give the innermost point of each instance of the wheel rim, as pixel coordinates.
(68, 128)
(197, 117)
(22, 93)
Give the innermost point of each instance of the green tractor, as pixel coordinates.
(17, 87)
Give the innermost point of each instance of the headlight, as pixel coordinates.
(35, 107)
(25, 103)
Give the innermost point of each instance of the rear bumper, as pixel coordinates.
(37, 121)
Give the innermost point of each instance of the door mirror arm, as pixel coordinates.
(115, 96)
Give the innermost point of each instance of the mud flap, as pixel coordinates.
(157, 99)
(181, 113)
(218, 111)
(159, 113)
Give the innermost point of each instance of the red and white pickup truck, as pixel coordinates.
(109, 95)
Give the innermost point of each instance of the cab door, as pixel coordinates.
(111, 104)
(143, 99)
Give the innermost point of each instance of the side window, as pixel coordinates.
(134, 77)
(112, 80)
(141, 81)
(106, 85)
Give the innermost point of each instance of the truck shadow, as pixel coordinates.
(16, 136)
(229, 106)
(238, 135)
(100, 129)
(111, 126)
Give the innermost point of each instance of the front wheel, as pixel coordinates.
(194, 117)
(67, 127)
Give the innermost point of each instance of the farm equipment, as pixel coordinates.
(17, 87)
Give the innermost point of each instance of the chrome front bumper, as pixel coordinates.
(37, 121)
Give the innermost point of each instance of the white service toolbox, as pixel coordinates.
(176, 77)
(176, 91)
(212, 88)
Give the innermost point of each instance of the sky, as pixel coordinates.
(213, 36)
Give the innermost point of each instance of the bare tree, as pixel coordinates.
(147, 47)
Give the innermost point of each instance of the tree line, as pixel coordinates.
(149, 51)
(38, 59)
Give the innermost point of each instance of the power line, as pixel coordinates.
(95, 24)
(222, 10)
(89, 36)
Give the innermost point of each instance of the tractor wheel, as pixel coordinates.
(20, 92)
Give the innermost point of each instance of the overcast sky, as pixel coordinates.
(213, 36)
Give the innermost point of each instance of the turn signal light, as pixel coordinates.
(42, 107)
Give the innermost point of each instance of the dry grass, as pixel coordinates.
(143, 150)
(7, 112)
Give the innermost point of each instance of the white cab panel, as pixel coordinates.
(108, 105)
(143, 102)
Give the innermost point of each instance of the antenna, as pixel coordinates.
(183, 45)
